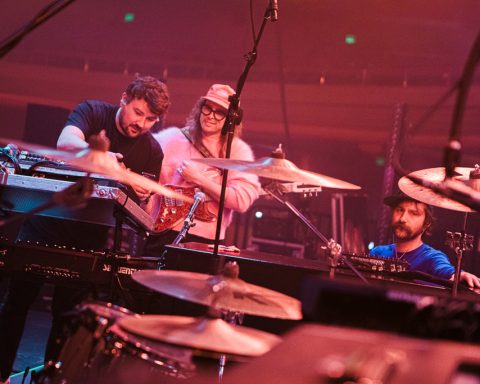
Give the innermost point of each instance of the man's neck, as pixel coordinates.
(117, 121)
(409, 245)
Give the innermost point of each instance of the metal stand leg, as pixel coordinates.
(460, 242)
(233, 318)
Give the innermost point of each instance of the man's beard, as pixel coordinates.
(407, 233)
(124, 126)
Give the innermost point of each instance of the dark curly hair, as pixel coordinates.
(152, 90)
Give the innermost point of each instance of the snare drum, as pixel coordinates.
(88, 337)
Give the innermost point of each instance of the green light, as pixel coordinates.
(129, 17)
(380, 161)
(350, 39)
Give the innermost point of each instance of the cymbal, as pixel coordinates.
(278, 169)
(221, 292)
(427, 196)
(97, 162)
(206, 334)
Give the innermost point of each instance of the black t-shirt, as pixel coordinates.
(141, 154)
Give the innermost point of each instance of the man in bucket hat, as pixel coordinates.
(201, 137)
(411, 219)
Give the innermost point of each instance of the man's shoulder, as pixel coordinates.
(425, 248)
(382, 250)
(97, 105)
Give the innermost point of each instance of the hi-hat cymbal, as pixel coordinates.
(221, 292)
(278, 169)
(205, 334)
(426, 195)
(98, 162)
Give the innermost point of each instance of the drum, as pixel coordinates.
(87, 338)
(128, 358)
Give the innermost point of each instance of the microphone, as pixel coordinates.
(199, 198)
(274, 10)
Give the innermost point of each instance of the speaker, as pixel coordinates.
(44, 123)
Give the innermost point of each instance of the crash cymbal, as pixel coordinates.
(435, 175)
(276, 167)
(206, 334)
(221, 292)
(97, 162)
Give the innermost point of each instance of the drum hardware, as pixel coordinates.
(334, 248)
(307, 190)
(459, 242)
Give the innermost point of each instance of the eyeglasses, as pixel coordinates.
(218, 114)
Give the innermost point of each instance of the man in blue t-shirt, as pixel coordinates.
(410, 220)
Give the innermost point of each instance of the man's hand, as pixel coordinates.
(117, 156)
(142, 193)
(470, 279)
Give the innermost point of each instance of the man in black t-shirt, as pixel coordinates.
(127, 126)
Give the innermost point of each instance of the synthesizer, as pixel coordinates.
(21, 193)
(60, 264)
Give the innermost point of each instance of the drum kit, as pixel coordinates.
(113, 345)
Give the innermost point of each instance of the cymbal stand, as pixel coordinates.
(231, 269)
(334, 248)
(459, 242)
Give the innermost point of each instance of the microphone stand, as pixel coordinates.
(187, 224)
(452, 151)
(234, 116)
(46, 13)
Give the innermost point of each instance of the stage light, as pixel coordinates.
(371, 245)
(129, 17)
(259, 214)
(350, 39)
(380, 161)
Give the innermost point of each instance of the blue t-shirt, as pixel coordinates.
(424, 259)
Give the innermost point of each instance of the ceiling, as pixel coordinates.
(418, 41)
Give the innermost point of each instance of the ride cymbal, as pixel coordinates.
(278, 169)
(435, 175)
(221, 292)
